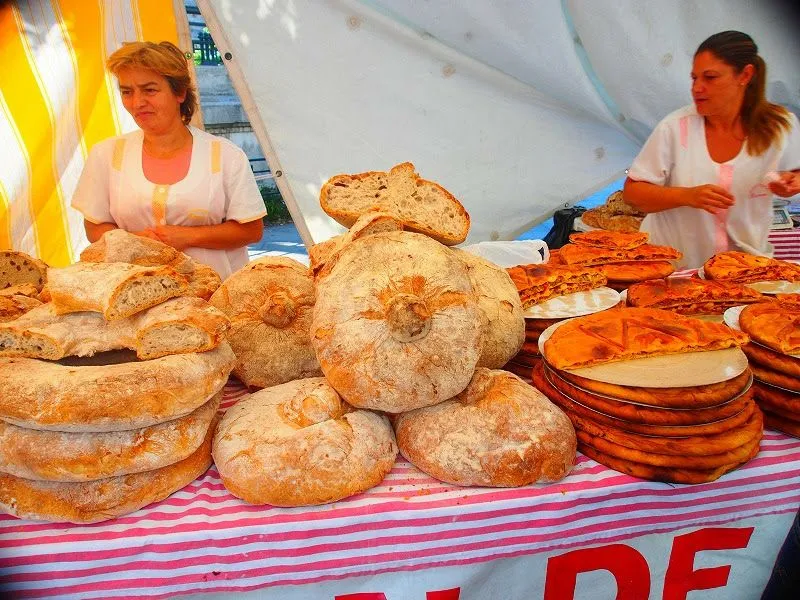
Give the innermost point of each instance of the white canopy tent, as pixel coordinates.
(517, 107)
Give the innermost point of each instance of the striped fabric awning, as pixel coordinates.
(59, 102)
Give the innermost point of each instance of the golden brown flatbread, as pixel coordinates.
(690, 296)
(587, 256)
(573, 405)
(740, 267)
(631, 412)
(537, 283)
(609, 239)
(773, 324)
(597, 217)
(700, 396)
(634, 272)
(707, 461)
(776, 361)
(666, 474)
(631, 333)
(771, 377)
(782, 402)
(779, 423)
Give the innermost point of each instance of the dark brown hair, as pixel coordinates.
(763, 121)
(166, 59)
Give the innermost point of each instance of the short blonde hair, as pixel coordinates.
(166, 59)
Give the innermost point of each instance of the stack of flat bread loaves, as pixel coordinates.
(774, 354)
(669, 432)
(88, 442)
(402, 324)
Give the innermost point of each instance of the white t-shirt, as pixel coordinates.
(219, 186)
(676, 155)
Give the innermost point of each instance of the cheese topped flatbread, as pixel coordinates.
(537, 283)
(630, 333)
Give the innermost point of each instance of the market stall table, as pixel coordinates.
(415, 537)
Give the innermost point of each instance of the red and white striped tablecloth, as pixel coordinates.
(786, 243)
(203, 539)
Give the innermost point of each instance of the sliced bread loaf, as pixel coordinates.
(422, 206)
(18, 267)
(117, 290)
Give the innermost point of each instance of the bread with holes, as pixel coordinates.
(422, 206)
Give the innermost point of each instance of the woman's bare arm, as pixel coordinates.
(651, 198)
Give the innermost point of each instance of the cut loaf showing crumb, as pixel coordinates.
(116, 290)
(177, 326)
(18, 268)
(422, 206)
(323, 259)
(13, 307)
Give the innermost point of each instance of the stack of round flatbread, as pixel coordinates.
(690, 434)
(774, 354)
(88, 432)
(529, 356)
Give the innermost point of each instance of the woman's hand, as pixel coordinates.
(177, 236)
(708, 197)
(788, 184)
(147, 233)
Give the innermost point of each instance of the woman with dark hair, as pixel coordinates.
(169, 181)
(706, 175)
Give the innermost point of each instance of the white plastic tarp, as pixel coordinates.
(516, 107)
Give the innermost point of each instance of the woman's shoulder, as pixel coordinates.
(689, 112)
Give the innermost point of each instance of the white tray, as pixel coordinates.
(577, 304)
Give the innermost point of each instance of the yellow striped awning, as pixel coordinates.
(60, 102)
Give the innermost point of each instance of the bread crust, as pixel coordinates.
(101, 499)
(777, 401)
(42, 333)
(639, 413)
(572, 404)
(50, 396)
(397, 324)
(298, 444)
(701, 396)
(537, 283)
(634, 272)
(498, 432)
(688, 295)
(629, 333)
(401, 182)
(504, 325)
(769, 359)
(98, 287)
(610, 239)
(270, 303)
(59, 456)
(740, 267)
(576, 254)
(773, 324)
(782, 424)
(775, 378)
(666, 474)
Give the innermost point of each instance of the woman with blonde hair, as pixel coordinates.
(168, 180)
(707, 173)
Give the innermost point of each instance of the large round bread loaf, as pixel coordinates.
(60, 456)
(298, 444)
(101, 499)
(499, 301)
(498, 432)
(397, 324)
(270, 303)
(50, 396)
